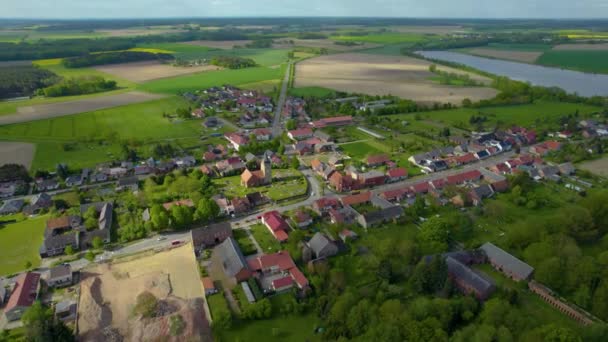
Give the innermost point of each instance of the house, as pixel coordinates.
(303, 148)
(66, 311)
(211, 235)
(11, 207)
(321, 247)
(396, 175)
(184, 162)
(75, 180)
(236, 140)
(461, 178)
(371, 178)
(377, 160)
(333, 122)
(380, 211)
(300, 134)
(544, 148)
(262, 134)
(261, 177)
(47, 185)
(364, 197)
(209, 286)
(396, 195)
(507, 263)
(566, 169)
(25, 292)
(323, 205)
(478, 194)
(347, 234)
(341, 182)
(60, 276)
(128, 183)
(268, 268)
(276, 225)
(468, 280)
(228, 254)
(301, 219)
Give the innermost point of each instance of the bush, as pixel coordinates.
(176, 325)
(78, 86)
(233, 62)
(146, 305)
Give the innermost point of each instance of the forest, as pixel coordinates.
(233, 62)
(24, 80)
(79, 86)
(115, 57)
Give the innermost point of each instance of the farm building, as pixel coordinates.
(228, 254)
(507, 263)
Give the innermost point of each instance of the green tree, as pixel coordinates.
(159, 217)
(295, 163)
(97, 242)
(40, 325)
(206, 210)
(146, 305)
(181, 216)
(28, 265)
(69, 250)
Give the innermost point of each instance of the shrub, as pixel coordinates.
(176, 325)
(146, 305)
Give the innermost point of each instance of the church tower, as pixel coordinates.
(266, 168)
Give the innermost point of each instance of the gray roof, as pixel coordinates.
(11, 206)
(125, 181)
(481, 284)
(318, 243)
(483, 191)
(61, 241)
(231, 256)
(105, 216)
(40, 199)
(60, 271)
(506, 261)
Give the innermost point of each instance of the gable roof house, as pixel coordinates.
(377, 160)
(396, 175)
(128, 183)
(300, 134)
(468, 280)
(321, 247)
(275, 271)
(11, 207)
(507, 263)
(60, 275)
(211, 235)
(38, 202)
(276, 225)
(228, 254)
(324, 204)
(478, 194)
(25, 292)
(383, 211)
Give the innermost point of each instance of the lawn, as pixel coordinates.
(264, 57)
(312, 92)
(242, 238)
(384, 38)
(539, 114)
(217, 304)
(19, 243)
(587, 61)
(290, 328)
(291, 183)
(89, 138)
(262, 235)
(205, 80)
(359, 149)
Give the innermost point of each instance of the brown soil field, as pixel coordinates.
(320, 43)
(519, 56)
(109, 292)
(402, 76)
(598, 166)
(53, 110)
(150, 70)
(16, 153)
(588, 47)
(219, 44)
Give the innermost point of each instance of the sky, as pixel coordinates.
(74, 9)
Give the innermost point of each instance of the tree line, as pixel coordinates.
(79, 86)
(24, 80)
(90, 59)
(233, 62)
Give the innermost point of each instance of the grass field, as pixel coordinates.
(264, 57)
(215, 78)
(267, 242)
(584, 60)
(311, 92)
(19, 243)
(75, 139)
(360, 149)
(242, 238)
(540, 114)
(384, 38)
(292, 184)
(286, 329)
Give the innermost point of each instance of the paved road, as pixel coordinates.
(276, 123)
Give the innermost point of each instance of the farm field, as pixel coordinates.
(54, 110)
(216, 78)
(595, 61)
(320, 43)
(57, 67)
(513, 55)
(598, 166)
(384, 38)
(16, 153)
(219, 44)
(382, 75)
(539, 114)
(19, 243)
(359, 149)
(76, 138)
(581, 47)
(311, 92)
(147, 71)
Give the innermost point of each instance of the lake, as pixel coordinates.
(584, 84)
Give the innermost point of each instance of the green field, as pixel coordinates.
(82, 133)
(267, 242)
(384, 38)
(264, 57)
(587, 61)
(359, 149)
(215, 78)
(292, 184)
(389, 50)
(287, 329)
(539, 114)
(311, 92)
(19, 243)
(519, 47)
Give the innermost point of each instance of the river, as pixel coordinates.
(584, 84)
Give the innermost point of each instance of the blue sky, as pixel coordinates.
(272, 8)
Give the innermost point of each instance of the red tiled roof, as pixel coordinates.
(315, 163)
(274, 221)
(393, 194)
(208, 283)
(25, 291)
(282, 282)
(327, 202)
(378, 159)
(438, 183)
(281, 259)
(301, 132)
(421, 187)
(337, 119)
(209, 156)
(280, 235)
(500, 186)
(58, 223)
(398, 172)
(237, 138)
(262, 131)
(357, 199)
(464, 177)
(467, 158)
(552, 145)
(298, 277)
(186, 202)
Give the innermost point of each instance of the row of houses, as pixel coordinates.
(366, 209)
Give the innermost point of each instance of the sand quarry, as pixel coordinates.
(402, 76)
(518, 56)
(108, 293)
(17, 153)
(151, 70)
(53, 110)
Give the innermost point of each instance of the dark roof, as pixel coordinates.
(60, 271)
(482, 285)
(60, 241)
(125, 181)
(105, 217)
(507, 261)
(11, 206)
(318, 243)
(199, 235)
(483, 191)
(25, 291)
(231, 257)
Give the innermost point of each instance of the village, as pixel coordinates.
(259, 214)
